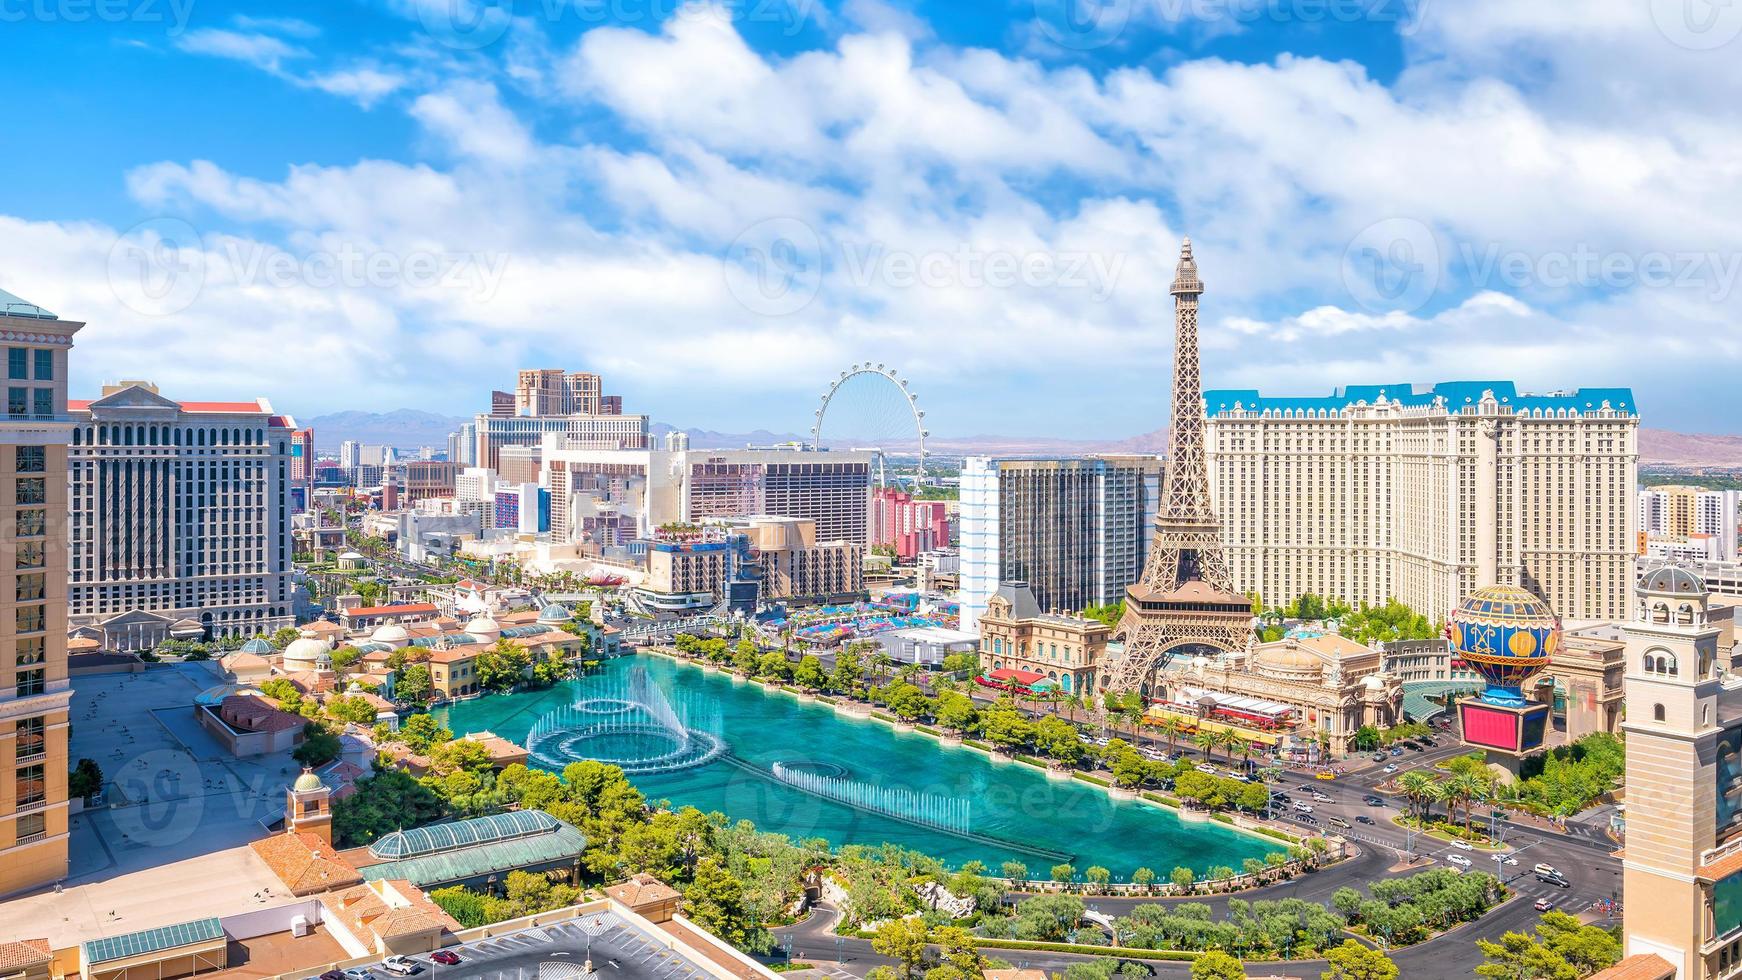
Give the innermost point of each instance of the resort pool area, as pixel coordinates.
(797, 768)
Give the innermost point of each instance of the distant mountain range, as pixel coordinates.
(411, 429)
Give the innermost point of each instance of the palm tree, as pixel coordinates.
(1171, 727)
(1207, 741)
(1245, 749)
(1415, 785)
(1463, 788)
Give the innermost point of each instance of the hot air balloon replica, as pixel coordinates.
(1506, 635)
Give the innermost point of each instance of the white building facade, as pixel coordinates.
(1425, 494)
(179, 511)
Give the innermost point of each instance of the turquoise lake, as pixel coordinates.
(962, 805)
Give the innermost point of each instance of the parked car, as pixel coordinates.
(332, 975)
(1364, 818)
(1459, 860)
(446, 957)
(1542, 905)
(359, 973)
(403, 966)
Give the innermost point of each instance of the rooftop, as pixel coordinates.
(153, 940)
(11, 305)
(1456, 395)
(464, 833)
(305, 863)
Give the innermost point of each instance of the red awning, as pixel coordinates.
(1023, 677)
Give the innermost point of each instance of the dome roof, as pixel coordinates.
(1287, 661)
(1506, 635)
(1507, 603)
(556, 612)
(305, 650)
(350, 556)
(215, 695)
(1670, 580)
(483, 625)
(389, 633)
(308, 782)
(257, 646)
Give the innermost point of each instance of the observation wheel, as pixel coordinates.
(869, 407)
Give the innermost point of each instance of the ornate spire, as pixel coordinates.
(1185, 275)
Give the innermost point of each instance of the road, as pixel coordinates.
(1582, 854)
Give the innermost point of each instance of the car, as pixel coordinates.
(1509, 859)
(1322, 798)
(1556, 880)
(1547, 869)
(1303, 808)
(1205, 767)
(359, 973)
(1238, 776)
(1542, 905)
(1364, 818)
(1397, 753)
(402, 966)
(1415, 748)
(1339, 822)
(1459, 860)
(1378, 757)
(446, 957)
(1391, 768)
(1372, 801)
(1307, 818)
(332, 975)
(1304, 788)
(1463, 845)
(1324, 774)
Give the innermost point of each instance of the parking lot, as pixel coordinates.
(616, 949)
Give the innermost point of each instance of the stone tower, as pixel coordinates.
(307, 807)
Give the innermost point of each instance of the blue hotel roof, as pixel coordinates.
(1457, 395)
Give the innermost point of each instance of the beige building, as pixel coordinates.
(1682, 864)
(34, 687)
(1425, 495)
(1328, 685)
(795, 566)
(1017, 635)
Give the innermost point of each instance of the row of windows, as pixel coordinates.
(22, 402)
(168, 435)
(18, 360)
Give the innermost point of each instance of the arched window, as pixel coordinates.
(1657, 712)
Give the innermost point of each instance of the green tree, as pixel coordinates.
(1063, 872)
(1097, 875)
(809, 673)
(956, 711)
(459, 755)
(1014, 870)
(714, 900)
(413, 684)
(284, 636)
(1217, 965)
(503, 665)
(744, 658)
(1182, 877)
(904, 941)
(352, 709)
(1143, 876)
(318, 747)
(421, 732)
(85, 780)
(386, 801)
(773, 664)
(1354, 961)
(849, 673)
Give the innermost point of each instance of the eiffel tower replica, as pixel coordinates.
(1186, 597)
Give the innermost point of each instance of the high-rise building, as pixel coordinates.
(907, 525)
(1075, 528)
(610, 497)
(350, 455)
(1677, 513)
(34, 687)
(1682, 870)
(552, 391)
(1427, 494)
(428, 478)
(501, 404)
(463, 445)
(179, 512)
(561, 408)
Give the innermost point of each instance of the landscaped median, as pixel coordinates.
(1176, 955)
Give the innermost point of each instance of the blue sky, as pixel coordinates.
(386, 204)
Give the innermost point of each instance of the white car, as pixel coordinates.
(1303, 807)
(1391, 768)
(1510, 860)
(1322, 798)
(1459, 860)
(403, 966)
(1462, 845)
(1231, 774)
(1206, 768)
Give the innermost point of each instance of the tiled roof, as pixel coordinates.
(153, 940)
(409, 609)
(389, 908)
(642, 889)
(257, 714)
(24, 954)
(1639, 966)
(305, 863)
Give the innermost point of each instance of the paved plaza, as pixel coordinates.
(168, 843)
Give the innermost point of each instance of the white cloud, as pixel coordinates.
(260, 50)
(470, 119)
(365, 86)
